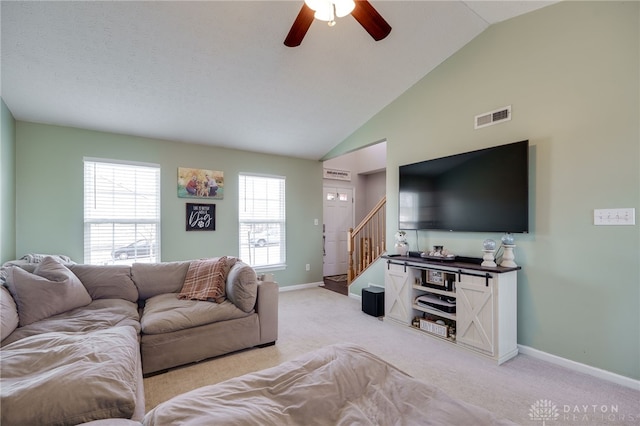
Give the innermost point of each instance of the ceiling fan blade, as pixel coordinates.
(300, 27)
(371, 20)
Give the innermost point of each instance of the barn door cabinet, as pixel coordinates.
(468, 305)
(398, 282)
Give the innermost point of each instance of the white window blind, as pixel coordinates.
(121, 212)
(262, 221)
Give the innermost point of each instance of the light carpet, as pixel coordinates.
(312, 318)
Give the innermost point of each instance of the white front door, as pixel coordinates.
(338, 218)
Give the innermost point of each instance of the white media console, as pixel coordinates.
(466, 304)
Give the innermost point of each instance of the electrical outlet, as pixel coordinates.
(308, 267)
(614, 216)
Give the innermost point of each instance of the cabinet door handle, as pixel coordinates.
(487, 276)
(389, 262)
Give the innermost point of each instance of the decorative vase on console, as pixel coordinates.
(508, 256)
(489, 248)
(402, 247)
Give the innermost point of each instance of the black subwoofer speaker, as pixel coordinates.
(373, 301)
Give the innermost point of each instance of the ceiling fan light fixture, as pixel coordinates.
(325, 12)
(344, 7)
(316, 4)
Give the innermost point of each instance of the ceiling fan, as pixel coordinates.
(328, 10)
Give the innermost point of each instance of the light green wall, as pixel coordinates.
(7, 185)
(571, 73)
(49, 188)
(374, 275)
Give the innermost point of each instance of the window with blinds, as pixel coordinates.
(262, 220)
(121, 212)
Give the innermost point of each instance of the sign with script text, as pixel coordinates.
(336, 174)
(201, 217)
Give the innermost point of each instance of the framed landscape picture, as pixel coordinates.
(200, 183)
(201, 217)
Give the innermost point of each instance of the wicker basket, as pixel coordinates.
(433, 328)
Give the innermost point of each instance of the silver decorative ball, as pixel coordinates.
(489, 244)
(507, 239)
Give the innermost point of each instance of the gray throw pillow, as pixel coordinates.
(242, 286)
(51, 289)
(8, 313)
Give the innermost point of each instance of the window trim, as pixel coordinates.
(274, 266)
(113, 161)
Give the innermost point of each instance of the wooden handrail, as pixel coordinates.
(366, 242)
(382, 203)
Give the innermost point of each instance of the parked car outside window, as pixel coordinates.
(141, 248)
(263, 238)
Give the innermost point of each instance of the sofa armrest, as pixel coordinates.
(267, 309)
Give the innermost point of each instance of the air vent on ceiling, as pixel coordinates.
(493, 117)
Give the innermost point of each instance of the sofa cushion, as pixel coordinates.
(8, 313)
(107, 281)
(206, 279)
(153, 279)
(242, 286)
(112, 422)
(100, 314)
(70, 378)
(50, 290)
(166, 313)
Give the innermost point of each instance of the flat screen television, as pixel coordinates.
(479, 191)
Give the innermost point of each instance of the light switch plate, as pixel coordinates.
(626, 216)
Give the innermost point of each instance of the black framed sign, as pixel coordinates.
(201, 217)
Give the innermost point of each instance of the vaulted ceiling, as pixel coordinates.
(218, 73)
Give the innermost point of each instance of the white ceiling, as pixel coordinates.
(218, 73)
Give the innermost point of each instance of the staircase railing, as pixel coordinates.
(366, 242)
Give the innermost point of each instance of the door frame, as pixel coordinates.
(351, 219)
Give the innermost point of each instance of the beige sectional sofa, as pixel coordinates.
(77, 339)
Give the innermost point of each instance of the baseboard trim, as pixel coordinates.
(301, 286)
(579, 367)
(359, 296)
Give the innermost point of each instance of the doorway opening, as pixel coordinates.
(353, 184)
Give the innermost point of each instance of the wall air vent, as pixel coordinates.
(492, 117)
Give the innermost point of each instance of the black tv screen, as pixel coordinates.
(478, 191)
